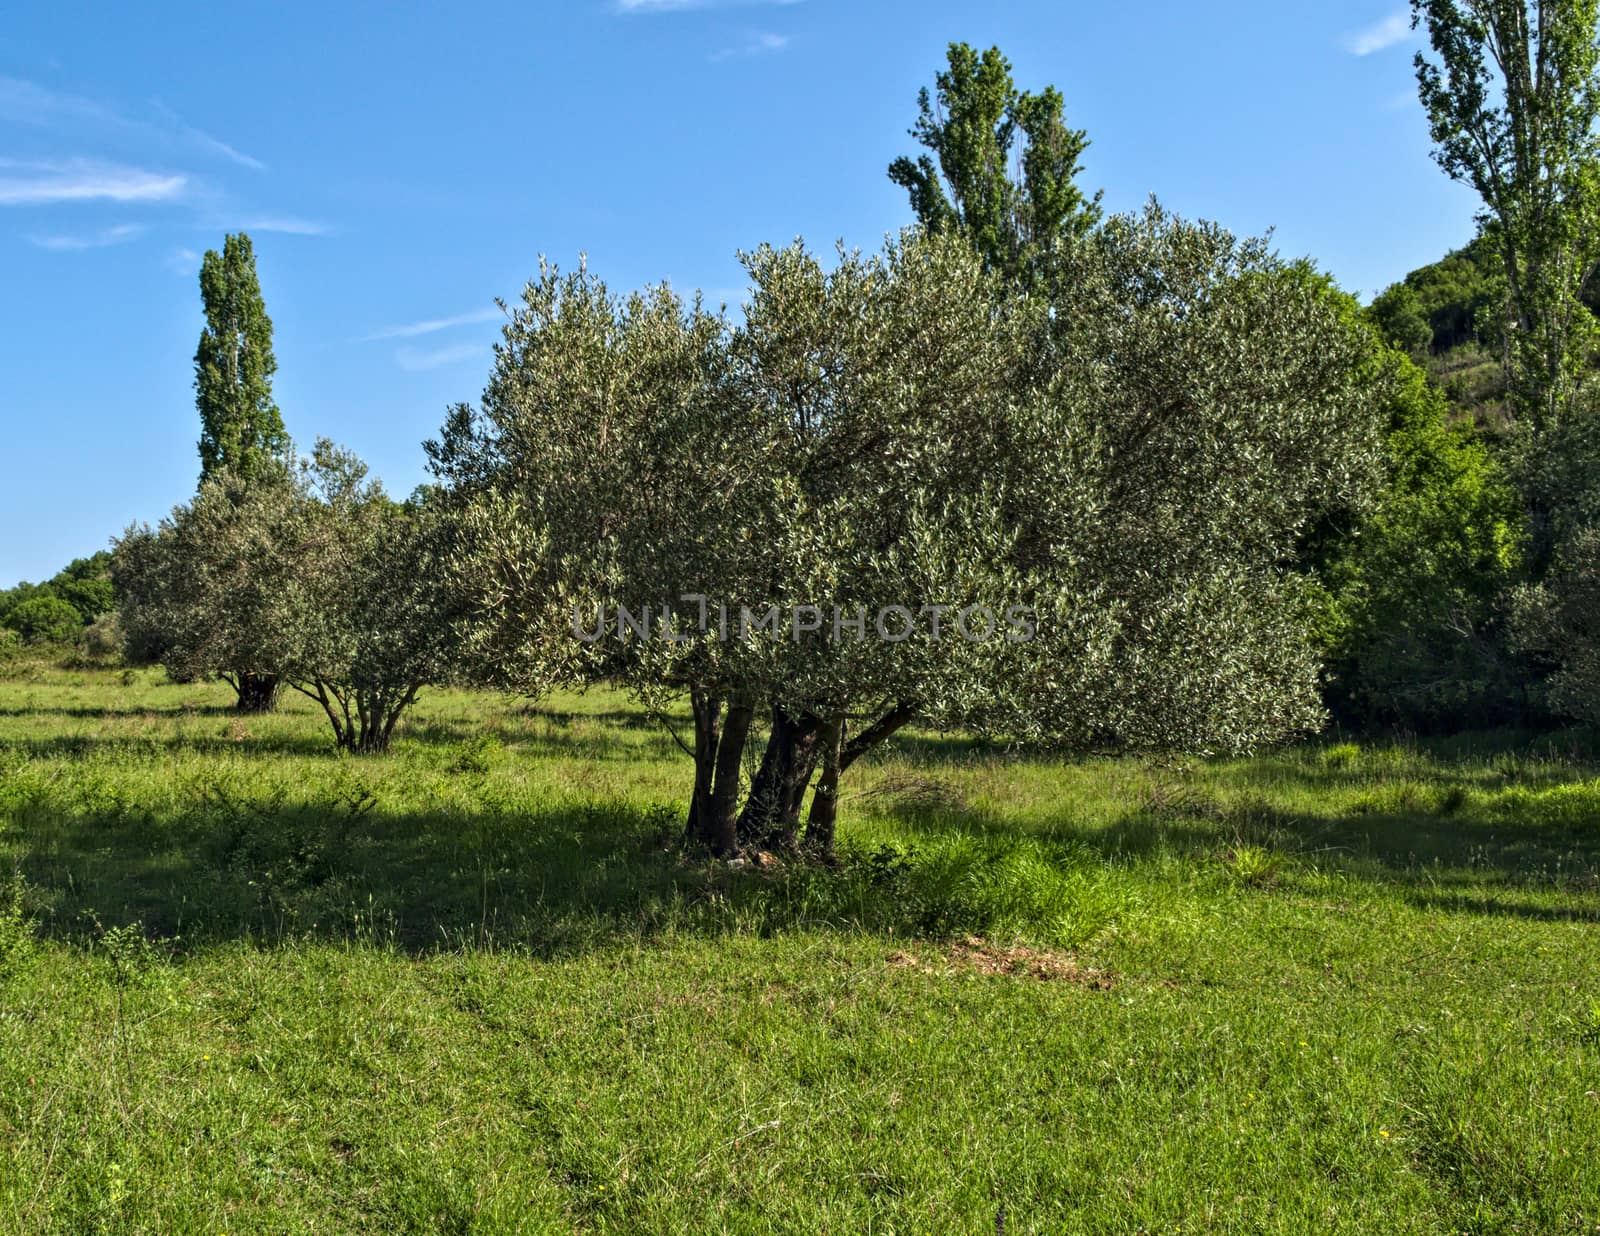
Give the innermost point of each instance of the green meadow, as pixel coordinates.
(249, 985)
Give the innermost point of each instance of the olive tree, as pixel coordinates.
(900, 493)
(206, 593)
(315, 578)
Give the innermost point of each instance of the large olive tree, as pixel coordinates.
(913, 469)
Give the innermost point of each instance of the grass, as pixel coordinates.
(247, 985)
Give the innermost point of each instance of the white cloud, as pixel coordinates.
(645, 7)
(755, 45)
(25, 102)
(1380, 35)
(183, 261)
(95, 240)
(413, 361)
(411, 330)
(80, 180)
(204, 140)
(288, 225)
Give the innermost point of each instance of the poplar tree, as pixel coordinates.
(1512, 101)
(1001, 168)
(241, 429)
(240, 426)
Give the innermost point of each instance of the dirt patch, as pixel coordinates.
(1015, 960)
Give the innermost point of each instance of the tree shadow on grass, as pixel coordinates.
(551, 882)
(313, 741)
(91, 746)
(164, 713)
(562, 880)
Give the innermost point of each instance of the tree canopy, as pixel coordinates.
(313, 577)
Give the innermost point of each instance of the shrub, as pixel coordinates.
(1559, 622)
(1412, 626)
(103, 637)
(45, 620)
(90, 597)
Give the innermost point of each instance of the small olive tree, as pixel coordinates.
(316, 579)
(205, 593)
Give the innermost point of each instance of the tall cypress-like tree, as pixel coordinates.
(240, 426)
(1002, 168)
(241, 429)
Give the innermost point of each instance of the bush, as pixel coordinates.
(1412, 625)
(90, 597)
(45, 620)
(1559, 622)
(103, 637)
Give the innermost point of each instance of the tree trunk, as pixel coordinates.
(794, 791)
(719, 828)
(771, 812)
(707, 733)
(825, 798)
(257, 692)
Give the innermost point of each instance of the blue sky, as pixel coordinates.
(400, 165)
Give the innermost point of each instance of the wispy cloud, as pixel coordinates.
(94, 240)
(183, 261)
(411, 330)
(755, 45)
(25, 102)
(204, 140)
(1380, 35)
(82, 180)
(287, 225)
(412, 360)
(641, 8)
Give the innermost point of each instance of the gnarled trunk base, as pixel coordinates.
(257, 692)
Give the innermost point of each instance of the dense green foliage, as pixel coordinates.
(1559, 621)
(250, 986)
(45, 620)
(1448, 304)
(312, 577)
(41, 611)
(1415, 635)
